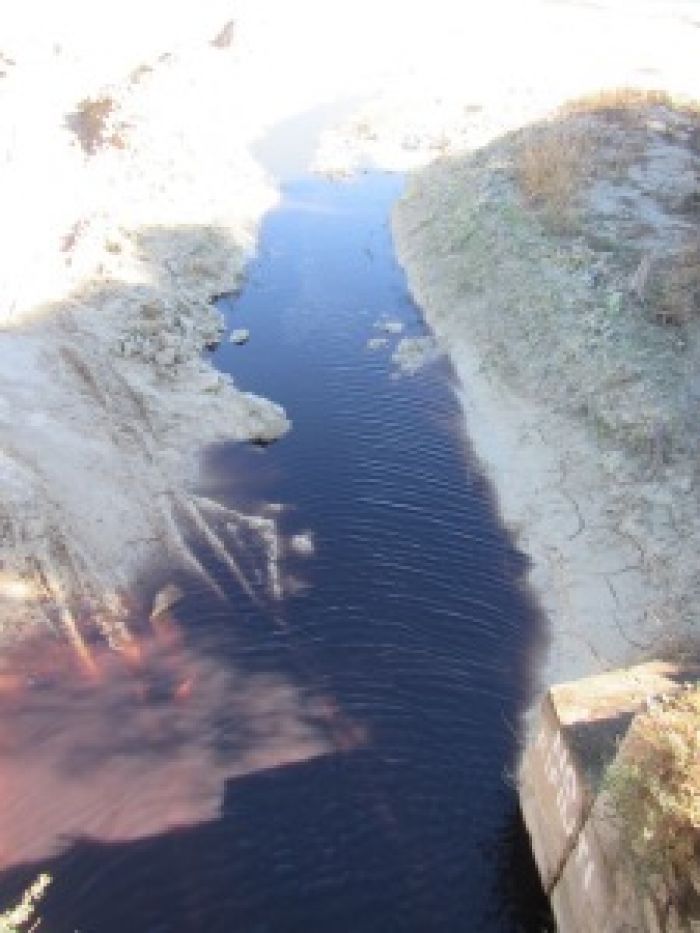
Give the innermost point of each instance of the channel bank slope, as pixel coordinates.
(130, 197)
(129, 202)
(560, 268)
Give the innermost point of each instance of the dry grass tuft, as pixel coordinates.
(625, 102)
(94, 125)
(674, 292)
(655, 792)
(600, 134)
(617, 98)
(551, 165)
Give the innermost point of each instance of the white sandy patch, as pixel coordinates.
(413, 353)
(116, 244)
(458, 75)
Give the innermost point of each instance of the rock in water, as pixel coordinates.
(302, 543)
(240, 336)
(389, 327)
(265, 422)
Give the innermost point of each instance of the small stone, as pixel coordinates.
(240, 336)
(389, 327)
(302, 543)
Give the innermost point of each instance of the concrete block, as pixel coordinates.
(580, 728)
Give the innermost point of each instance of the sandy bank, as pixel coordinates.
(580, 396)
(131, 199)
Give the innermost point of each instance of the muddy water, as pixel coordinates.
(324, 746)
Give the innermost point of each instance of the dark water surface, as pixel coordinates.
(335, 761)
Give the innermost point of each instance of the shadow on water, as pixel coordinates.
(338, 759)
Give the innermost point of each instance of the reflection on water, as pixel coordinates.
(139, 741)
(321, 748)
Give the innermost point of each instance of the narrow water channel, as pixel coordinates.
(346, 749)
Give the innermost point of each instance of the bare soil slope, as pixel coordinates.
(560, 267)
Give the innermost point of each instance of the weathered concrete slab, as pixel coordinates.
(554, 798)
(594, 893)
(578, 735)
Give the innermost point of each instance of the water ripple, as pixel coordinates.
(334, 760)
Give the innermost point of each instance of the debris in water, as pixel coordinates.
(302, 543)
(165, 599)
(389, 327)
(240, 336)
(413, 353)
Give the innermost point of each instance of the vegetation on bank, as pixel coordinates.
(563, 157)
(566, 257)
(581, 234)
(567, 171)
(654, 792)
